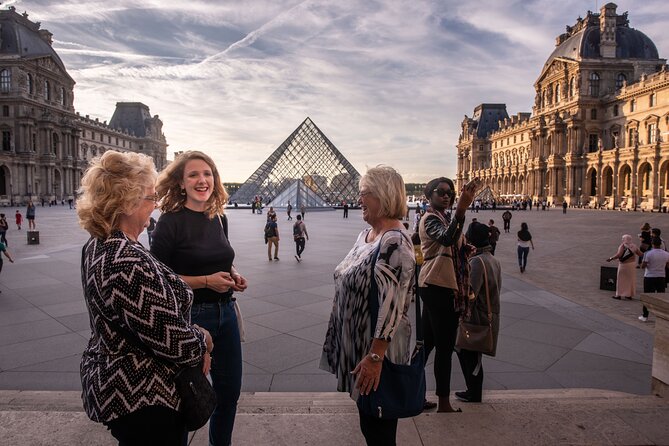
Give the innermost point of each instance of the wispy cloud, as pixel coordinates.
(388, 81)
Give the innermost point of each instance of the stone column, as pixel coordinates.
(658, 303)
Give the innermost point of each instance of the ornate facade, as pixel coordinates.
(598, 133)
(46, 145)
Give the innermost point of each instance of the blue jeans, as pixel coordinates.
(522, 256)
(220, 320)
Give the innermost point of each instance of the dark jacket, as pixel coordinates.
(479, 311)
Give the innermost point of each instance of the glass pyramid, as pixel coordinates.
(305, 169)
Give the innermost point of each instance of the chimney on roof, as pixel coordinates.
(607, 30)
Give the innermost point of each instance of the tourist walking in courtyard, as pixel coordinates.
(271, 213)
(303, 210)
(289, 209)
(346, 209)
(564, 207)
(299, 234)
(272, 237)
(506, 217)
(355, 346)
(626, 278)
(128, 367)
(4, 227)
(655, 262)
(19, 219)
(442, 280)
(524, 243)
(30, 215)
(485, 281)
(191, 237)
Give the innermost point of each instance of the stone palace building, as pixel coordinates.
(46, 145)
(598, 133)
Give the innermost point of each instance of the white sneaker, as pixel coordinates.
(643, 319)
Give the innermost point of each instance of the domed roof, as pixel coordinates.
(584, 44)
(21, 37)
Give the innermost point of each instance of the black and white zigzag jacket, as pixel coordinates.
(124, 285)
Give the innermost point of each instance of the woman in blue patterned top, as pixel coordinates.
(139, 309)
(353, 349)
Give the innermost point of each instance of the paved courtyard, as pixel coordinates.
(558, 330)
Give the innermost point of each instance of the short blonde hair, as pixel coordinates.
(170, 191)
(388, 186)
(112, 185)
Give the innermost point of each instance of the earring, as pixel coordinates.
(183, 192)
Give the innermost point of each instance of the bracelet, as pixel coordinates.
(205, 281)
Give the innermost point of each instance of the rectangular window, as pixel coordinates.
(116, 141)
(632, 105)
(593, 113)
(101, 137)
(653, 100)
(124, 143)
(593, 140)
(481, 147)
(108, 139)
(615, 110)
(652, 134)
(6, 140)
(92, 135)
(5, 110)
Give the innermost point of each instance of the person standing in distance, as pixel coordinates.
(506, 217)
(30, 215)
(303, 210)
(299, 234)
(655, 261)
(289, 209)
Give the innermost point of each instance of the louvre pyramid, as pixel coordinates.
(309, 157)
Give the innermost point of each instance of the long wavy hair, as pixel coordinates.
(171, 193)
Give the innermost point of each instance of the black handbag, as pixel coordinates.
(401, 390)
(198, 398)
(477, 337)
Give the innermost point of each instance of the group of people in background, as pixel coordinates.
(651, 255)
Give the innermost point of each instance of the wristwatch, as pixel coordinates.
(374, 357)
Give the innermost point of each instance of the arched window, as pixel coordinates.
(47, 91)
(557, 94)
(633, 105)
(5, 80)
(31, 84)
(621, 80)
(593, 88)
(63, 99)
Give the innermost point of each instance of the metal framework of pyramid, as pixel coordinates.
(486, 195)
(306, 163)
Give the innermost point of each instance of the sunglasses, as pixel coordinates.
(443, 192)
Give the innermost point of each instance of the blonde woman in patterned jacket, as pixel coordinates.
(139, 309)
(353, 348)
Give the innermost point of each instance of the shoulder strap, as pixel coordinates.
(487, 292)
(224, 223)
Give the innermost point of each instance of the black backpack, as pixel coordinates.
(269, 230)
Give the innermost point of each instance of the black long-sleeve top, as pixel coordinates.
(193, 245)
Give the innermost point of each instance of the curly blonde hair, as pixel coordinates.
(113, 185)
(170, 191)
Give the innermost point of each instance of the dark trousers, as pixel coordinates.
(469, 361)
(507, 225)
(3, 237)
(378, 432)
(220, 320)
(653, 285)
(150, 426)
(440, 322)
(299, 246)
(345, 213)
(522, 256)
(492, 248)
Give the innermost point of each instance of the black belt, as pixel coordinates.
(223, 298)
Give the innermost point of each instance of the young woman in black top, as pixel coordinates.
(524, 243)
(191, 237)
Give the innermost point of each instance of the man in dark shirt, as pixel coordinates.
(506, 216)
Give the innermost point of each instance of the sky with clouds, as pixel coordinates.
(387, 81)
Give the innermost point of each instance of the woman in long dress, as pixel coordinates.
(627, 254)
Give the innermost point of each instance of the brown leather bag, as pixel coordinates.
(475, 337)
